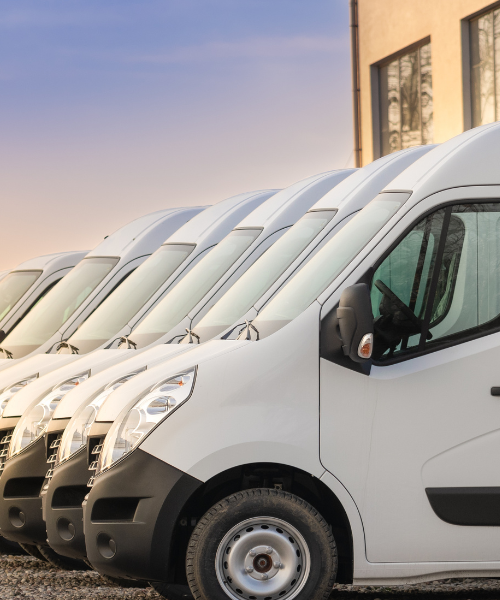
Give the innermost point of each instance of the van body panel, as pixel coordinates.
(264, 430)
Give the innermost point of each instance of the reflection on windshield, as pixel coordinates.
(13, 287)
(262, 274)
(322, 269)
(126, 301)
(58, 305)
(193, 287)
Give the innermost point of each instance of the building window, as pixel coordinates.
(485, 65)
(406, 111)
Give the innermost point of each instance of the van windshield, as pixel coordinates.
(311, 281)
(13, 287)
(262, 274)
(193, 287)
(127, 300)
(46, 317)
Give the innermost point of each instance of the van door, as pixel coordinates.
(432, 487)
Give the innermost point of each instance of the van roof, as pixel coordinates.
(470, 158)
(363, 185)
(131, 235)
(56, 261)
(205, 229)
(288, 205)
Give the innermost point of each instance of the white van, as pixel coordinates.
(40, 398)
(73, 299)
(22, 287)
(324, 219)
(214, 273)
(353, 440)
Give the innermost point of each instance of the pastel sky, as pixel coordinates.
(110, 109)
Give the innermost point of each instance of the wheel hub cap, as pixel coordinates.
(262, 559)
(262, 562)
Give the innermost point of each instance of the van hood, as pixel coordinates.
(38, 365)
(85, 392)
(32, 393)
(127, 393)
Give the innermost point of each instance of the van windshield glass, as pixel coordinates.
(262, 274)
(46, 317)
(311, 281)
(127, 300)
(13, 287)
(193, 287)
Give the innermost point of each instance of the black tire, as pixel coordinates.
(33, 551)
(62, 562)
(172, 591)
(320, 550)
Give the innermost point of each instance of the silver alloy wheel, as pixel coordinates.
(262, 558)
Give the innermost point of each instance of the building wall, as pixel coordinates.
(388, 26)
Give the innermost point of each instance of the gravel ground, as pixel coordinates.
(26, 577)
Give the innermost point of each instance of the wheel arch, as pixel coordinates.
(267, 475)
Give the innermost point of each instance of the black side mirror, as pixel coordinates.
(3, 335)
(356, 322)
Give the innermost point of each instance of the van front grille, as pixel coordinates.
(5, 438)
(53, 447)
(95, 453)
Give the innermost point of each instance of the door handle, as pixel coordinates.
(495, 391)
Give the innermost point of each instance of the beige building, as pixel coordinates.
(423, 71)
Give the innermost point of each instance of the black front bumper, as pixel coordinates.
(62, 506)
(132, 515)
(20, 503)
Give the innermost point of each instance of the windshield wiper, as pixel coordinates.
(66, 344)
(191, 335)
(246, 331)
(7, 353)
(130, 345)
(226, 335)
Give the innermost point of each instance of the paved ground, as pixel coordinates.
(26, 577)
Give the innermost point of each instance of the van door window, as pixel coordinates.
(401, 287)
(469, 300)
(426, 294)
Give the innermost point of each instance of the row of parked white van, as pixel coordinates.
(262, 397)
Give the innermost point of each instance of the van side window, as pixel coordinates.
(440, 284)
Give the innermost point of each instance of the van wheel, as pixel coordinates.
(33, 551)
(262, 544)
(172, 591)
(61, 562)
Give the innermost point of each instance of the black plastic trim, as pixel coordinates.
(144, 545)
(330, 345)
(466, 506)
(20, 486)
(72, 474)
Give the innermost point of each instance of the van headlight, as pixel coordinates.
(12, 389)
(34, 421)
(76, 432)
(133, 424)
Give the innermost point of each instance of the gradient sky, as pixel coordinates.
(110, 109)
